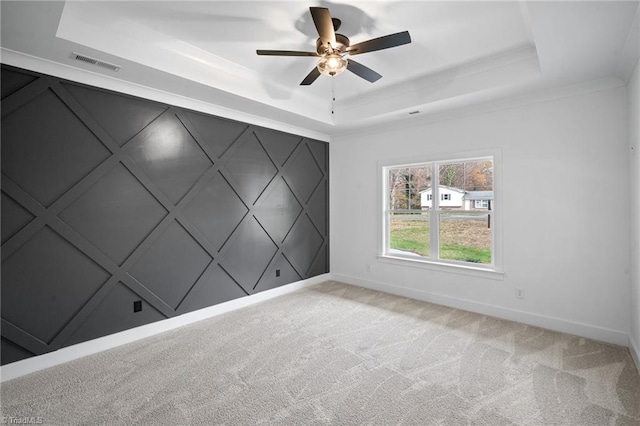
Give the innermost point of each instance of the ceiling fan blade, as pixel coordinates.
(285, 53)
(311, 77)
(384, 42)
(362, 71)
(324, 25)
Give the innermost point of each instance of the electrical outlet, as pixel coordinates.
(137, 306)
(277, 272)
(519, 293)
(367, 267)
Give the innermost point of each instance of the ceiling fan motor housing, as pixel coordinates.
(342, 42)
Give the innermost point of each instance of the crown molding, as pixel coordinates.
(44, 66)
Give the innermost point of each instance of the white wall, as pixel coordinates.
(634, 140)
(569, 250)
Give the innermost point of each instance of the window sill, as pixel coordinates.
(442, 267)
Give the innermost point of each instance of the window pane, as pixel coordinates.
(408, 199)
(406, 185)
(475, 175)
(398, 188)
(409, 234)
(465, 236)
(465, 213)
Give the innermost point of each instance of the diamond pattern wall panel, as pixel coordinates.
(303, 173)
(302, 245)
(318, 208)
(14, 81)
(12, 352)
(319, 265)
(121, 116)
(279, 146)
(114, 314)
(172, 265)
(14, 217)
(249, 254)
(45, 282)
(279, 273)
(319, 152)
(217, 288)
(219, 134)
(251, 168)
(111, 202)
(46, 154)
(116, 214)
(278, 210)
(216, 210)
(169, 156)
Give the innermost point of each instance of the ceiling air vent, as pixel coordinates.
(96, 62)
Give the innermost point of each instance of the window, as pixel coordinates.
(423, 222)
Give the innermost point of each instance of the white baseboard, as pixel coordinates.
(61, 356)
(550, 323)
(634, 348)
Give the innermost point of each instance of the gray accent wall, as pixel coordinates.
(113, 204)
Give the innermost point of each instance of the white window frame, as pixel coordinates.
(480, 204)
(493, 271)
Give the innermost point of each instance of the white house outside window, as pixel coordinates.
(441, 211)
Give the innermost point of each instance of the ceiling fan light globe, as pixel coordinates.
(332, 65)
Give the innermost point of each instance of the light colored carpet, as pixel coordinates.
(337, 354)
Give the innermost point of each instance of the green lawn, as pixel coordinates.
(467, 241)
(410, 235)
(465, 253)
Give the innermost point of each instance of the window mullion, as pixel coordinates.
(434, 225)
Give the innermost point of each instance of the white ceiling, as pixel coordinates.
(462, 53)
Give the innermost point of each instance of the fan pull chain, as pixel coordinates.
(333, 94)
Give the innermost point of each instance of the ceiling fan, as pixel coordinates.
(334, 49)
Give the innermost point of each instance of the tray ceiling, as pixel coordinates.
(462, 53)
